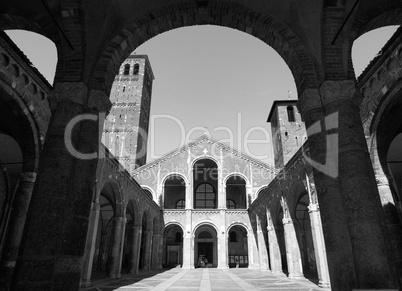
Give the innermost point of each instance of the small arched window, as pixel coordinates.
(126, 69)
(291, 114)
(205, 196)
(124, 88)
(230, 204)
(136, 69)
(180, 204)
(232, 236)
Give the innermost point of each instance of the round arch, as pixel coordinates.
(236, 174)
(112, 187)
(150, 190)
(176, 174)
(133, 208)
(170, 223)
(206, 157)
(263, 26)
(237, 223)
(203, 223)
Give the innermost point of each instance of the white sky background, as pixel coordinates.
(210, 77)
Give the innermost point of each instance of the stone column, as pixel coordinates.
(114, 255)
(189, 196)
(222, 248)
(16, 227)
(262, 249)
(136, 248)
(352, 218)
(160, 252)
(90, 245)
(319, 246)
(187, 254)
(253, 257)
(155, 250)
(274, 251)
(293, 257)
(121, 250)
(147, 250)
(53, 242)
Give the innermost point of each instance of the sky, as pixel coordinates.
(210, 79)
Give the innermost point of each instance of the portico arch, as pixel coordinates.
(205, 245)
(238, 246)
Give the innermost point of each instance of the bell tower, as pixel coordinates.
(288, 130)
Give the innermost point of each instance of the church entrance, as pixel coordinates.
(205, 247)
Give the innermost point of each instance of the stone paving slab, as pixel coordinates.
(203, 279)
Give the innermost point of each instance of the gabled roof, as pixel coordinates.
(205, 139)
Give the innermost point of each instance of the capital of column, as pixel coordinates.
(270, 228)
(382, 181)
(28, 177)
(286, 220)
(309, 100)
(77, 92)
(313, 207)
(331, 91)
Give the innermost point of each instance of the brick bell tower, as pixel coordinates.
(125, 133)
(288, 130)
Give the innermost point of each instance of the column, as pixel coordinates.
(90, 245)
(136, 247)
(187, 252)
(352, 218)
(147, 250)
(262, 249)
(253, 256)
(319, 246)
(222, 249)
(16, 227)
(160, 253)
(221, 189)
(121, 249)
(114, 255)
(189, 196)
(274, 251)
(155, 250)
(293, 257)
(54, 238)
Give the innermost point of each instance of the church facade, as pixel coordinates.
(101, 218)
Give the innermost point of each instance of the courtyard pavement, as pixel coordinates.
(202, 279)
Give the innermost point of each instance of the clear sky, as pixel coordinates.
(210, 78)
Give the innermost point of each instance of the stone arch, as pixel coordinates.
(244, 177)
(149, 190)
(115, 195)
(233, 15)
(205, 222)
(173, 235)
(167, 176)
(146, 220)
(205, 244)
(206, 157)
(25, 128)
(174, 223)
(237, 242)
(156, 225)
(382, 13)
(261, 190)
(134, 209)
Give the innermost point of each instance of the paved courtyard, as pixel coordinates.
(202, 279)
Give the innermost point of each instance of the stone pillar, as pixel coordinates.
(90, 245)
(222, 247)
(352, 218)
(253, 257)
(293, 257)
(155, 250)
(136, 248)
(18, 216)
(187, 251)
(121, 250)
(189, 196)
(56, 227)
(319, 246)
(274, 251)
(147, 250)
(114, 256)
(262, 249)
(221, 191)
(160, 253)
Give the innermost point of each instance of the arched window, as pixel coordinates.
(124, 88)
(291, 114)
(126, 69)
(205, 196)
(136, 69)
(230, 204)
(181, 204)
(232, 236)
